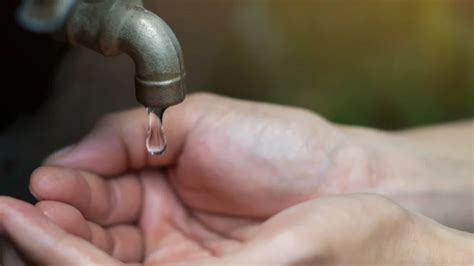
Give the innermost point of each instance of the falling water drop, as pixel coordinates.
(156, 139)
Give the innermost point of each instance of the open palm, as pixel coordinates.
(140, 220)
(137, 217)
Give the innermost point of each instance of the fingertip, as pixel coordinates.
(48, 182)
(67, 217)
(59, 184)
(40, 181)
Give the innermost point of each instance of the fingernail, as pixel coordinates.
(61, 153)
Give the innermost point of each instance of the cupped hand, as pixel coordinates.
(229, 156)
(230, 167)
(354, 229)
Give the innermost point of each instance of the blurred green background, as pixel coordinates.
(387, 64)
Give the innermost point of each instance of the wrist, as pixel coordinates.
(436, 186)
(430, 242)
(391, 163)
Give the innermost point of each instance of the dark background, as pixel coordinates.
(384, 64)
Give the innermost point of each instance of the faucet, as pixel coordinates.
(112, 27)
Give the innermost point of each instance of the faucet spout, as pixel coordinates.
(159, 66)
(112, 27)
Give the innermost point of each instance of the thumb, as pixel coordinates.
(117, 142)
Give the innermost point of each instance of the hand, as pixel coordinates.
(243, 153)
(326, 231)
(41, 241)
(230, 164)
(226, 155)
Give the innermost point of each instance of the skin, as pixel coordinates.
(326, 231)
(241, 183)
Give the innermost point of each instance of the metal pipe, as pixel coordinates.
(112, 27)
(160, 74)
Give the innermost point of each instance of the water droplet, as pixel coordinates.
(156, 139)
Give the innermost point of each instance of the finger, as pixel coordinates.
(105, 202)
(122, 242)
(66, 217)
(44, 242)
(118, 141)
(127, 243)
